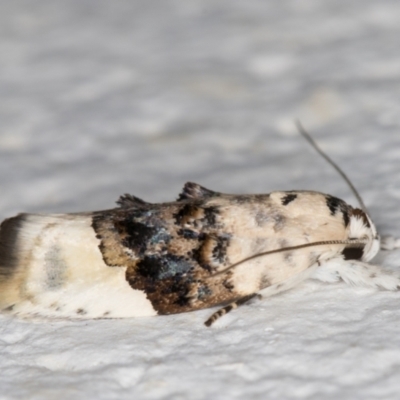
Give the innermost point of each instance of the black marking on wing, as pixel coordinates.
(334, 204)
(353, 253)
(128, 201)
(346, 218)
(203, 291)
(288, 198)
(212, 251)
(210, 215)
(228, 285)
(156, 267)
(10, 230)
(186, 213)
(193, 190)
(194, 215)
(138, 235)
(361, 214)
(220, 249)
(167, 281)
(189, 234)
(169, 251)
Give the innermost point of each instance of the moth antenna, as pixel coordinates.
(353, 243)
(310, 140)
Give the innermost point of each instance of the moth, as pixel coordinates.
(203, 250)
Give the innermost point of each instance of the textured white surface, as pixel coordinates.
(101, 98)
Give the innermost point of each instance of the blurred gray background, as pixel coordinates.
(99, 98)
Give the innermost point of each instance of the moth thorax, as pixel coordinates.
(361, 228)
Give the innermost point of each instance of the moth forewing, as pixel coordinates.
(203, 250)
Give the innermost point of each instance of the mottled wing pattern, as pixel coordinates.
(170, 251)
(145, 259)
(173, 251)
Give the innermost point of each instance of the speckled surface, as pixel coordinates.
(99, 99)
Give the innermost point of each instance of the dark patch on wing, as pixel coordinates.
(170, 251)
(211, 253)
(159, 267)
(187, 213)
(193, 190)
(287, 199)
(228, 285)
(219, 251)
(10, 229)
(129, 201)
(137, 234)
(142, 230)
(356, 212)
(166, 281)
(200, 217)
(353, 253)
(188, 234)
(200, 257)
(334, 204)
(128, 234)
(203, 291)
(346, 218)
(210, 215)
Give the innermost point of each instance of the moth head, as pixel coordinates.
(361, 228)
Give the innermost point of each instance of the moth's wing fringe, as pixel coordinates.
(10, 257)
(9, 233)
(18, 235)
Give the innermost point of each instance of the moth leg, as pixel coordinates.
(265, 292)
(390, 243)
(357, 273)
(224, 310)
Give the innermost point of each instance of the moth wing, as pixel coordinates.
(51, 265)
(193, 190)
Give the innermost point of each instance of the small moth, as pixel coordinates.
(202, 250)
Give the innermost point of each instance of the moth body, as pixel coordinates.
(200, 251)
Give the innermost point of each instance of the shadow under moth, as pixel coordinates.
(203, 250)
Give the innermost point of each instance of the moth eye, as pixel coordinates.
(363, 237)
